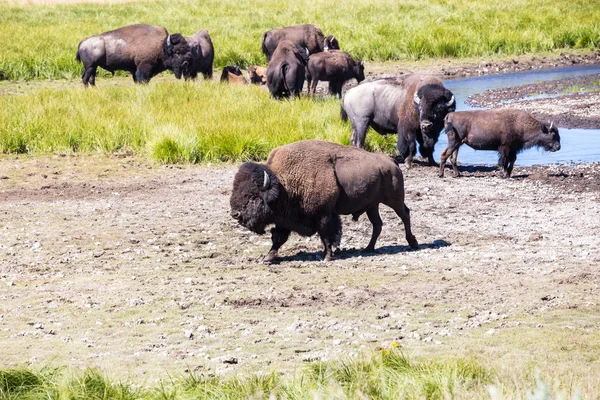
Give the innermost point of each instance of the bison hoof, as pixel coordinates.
(368, 249)
(413, 243)
(270, 258)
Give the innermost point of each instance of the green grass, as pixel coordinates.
(169, 121)
(388, 374)
(41, 41)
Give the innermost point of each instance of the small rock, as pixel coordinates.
(188, 334)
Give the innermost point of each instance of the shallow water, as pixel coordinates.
(577, 145)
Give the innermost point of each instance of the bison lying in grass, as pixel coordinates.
(506, 130)
(305, 186)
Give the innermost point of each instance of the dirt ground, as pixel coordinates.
(138, 269)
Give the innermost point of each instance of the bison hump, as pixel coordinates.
(306, 171)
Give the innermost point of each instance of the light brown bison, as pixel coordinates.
(257, 74)
(306, 185)
(336, 67)
(306, 36)
(203, 54)
(286, 71)
(143, 50)
(233, 74)
(506, 130)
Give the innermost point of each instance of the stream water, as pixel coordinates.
(577, 145)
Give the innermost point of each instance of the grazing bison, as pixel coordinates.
(337, 67)
(286, 71)
(233, 74)
(414, 106)
(306, 185)
(203, 54)
(506, 130)
(143, 50)
(257, 75)
(306, 36)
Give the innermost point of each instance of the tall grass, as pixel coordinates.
(168, 121)
(41, 41)
(386, 375)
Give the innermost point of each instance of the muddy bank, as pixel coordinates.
(572, 102)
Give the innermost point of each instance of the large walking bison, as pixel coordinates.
(203, 54)
(286, 71)
(143, 50)
(508, 131)
(306, 185)
(306, 36)
(413, 105)
(336, 67)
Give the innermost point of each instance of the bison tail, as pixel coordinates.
(343, 113)
(77, 56)
(264, 47)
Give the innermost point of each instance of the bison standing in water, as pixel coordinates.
(413, 105)
(143, 50)
(506, 130)
(306, 36)
(306, 185)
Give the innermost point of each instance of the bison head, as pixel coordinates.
(330, 43)
(359, 71)
(549, 138)
(432, 103)
(177, 55)
(255, 190)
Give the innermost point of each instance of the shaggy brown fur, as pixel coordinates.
(257, 75)
(506, 130)
(306, 36)
(336, 67)
(305, 186)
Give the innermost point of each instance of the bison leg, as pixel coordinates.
(359, 132)
(141, 75)
(373, 214)
(330, 231)
(404, 213)
(89, 76)
(453, 161)
(504, 160)
(512, 157)
(452, 149)
(406, 146)
(279, 236)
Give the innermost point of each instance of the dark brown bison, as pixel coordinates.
(203, 54)
(286, 71)
(506, 130)
(421, 115)
(143, 50)
(233, 74)
(257, 75)
(335, 66)
(306, 36)
(306, 185)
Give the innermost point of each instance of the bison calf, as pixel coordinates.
(335, 66)
(257, 74)
(233, 74)
(306, 185)
(506, 130)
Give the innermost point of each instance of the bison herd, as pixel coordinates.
(305, 186)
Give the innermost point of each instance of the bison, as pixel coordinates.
(143, 50)
(203, 54)
(286, 71)
(233, 74)
(305, 36)
(306, 185)
(337, 67)
(413, 105)
(257, 75)
(508, 131)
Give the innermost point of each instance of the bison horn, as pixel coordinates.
(266, 181)
(416, 98)
(449, 104)
(169, 40)
(551, 123)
